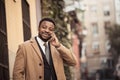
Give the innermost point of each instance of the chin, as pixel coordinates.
(45, 39)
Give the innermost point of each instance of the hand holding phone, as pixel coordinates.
(54, 40)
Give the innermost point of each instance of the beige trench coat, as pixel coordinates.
(29, 63)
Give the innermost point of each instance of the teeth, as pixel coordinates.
(46, 34)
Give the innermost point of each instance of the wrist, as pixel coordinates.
(58, 46)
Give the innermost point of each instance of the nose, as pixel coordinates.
(47, 30)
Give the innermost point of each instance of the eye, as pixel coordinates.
(51, 29)
(44, 27)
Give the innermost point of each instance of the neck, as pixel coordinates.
(45, 40)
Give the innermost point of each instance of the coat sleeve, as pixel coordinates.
(67, 55)
(19, 65)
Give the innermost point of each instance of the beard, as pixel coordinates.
(45, 40)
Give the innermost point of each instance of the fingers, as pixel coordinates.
(53, 37)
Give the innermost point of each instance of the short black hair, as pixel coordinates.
(47, 19)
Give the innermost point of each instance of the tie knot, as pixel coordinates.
(45, 44)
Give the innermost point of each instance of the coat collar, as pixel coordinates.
(36, 47)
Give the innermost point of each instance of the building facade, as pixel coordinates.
(98, 15)
(18, 23)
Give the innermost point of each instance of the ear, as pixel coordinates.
(38, 28)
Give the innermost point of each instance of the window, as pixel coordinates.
(95, 47)
(106, 13)
(110, 63)
(106, 10)
(26, 20)
(4, 65)
(93, 8)
(107, 45)
(95, 29)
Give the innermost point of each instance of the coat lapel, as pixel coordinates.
(54, 57)
(36, 48)
(53, 54)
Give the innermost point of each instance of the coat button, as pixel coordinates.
(40, 64)
(40, 77)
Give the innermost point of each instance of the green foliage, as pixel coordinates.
(114, 37)
(54, 9)
(67, 72)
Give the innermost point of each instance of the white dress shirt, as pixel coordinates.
(41, 43)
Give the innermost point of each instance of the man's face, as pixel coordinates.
(45, 30)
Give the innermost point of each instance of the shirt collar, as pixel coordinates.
(41, 42)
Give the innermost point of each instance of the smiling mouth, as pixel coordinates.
(46, 35)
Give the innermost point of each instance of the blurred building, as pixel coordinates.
(18, 22)
(98, 16)
(75, 9)
(117, 11)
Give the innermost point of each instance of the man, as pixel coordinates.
(35, 61)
